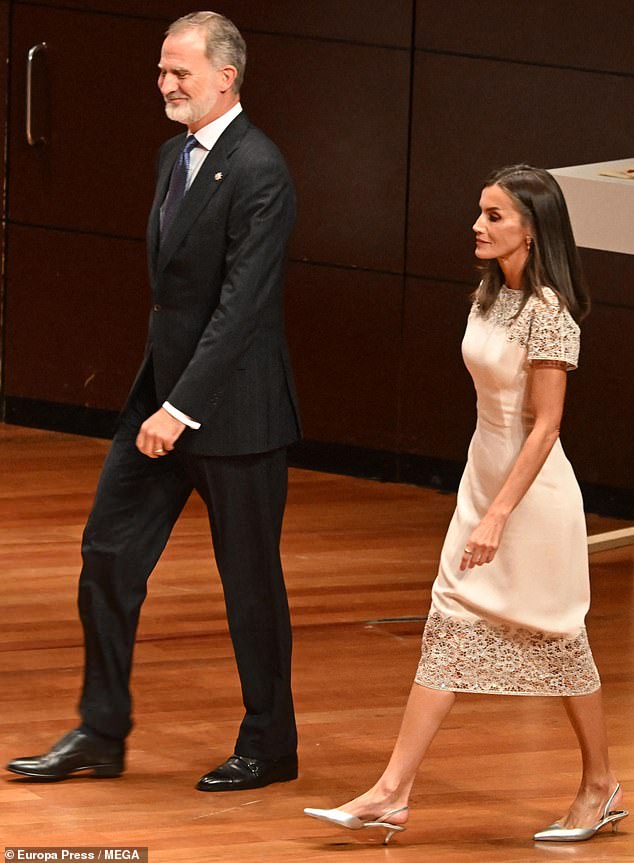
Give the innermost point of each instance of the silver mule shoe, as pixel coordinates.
(557, 833)
(351, 822)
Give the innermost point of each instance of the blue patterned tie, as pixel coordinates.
(177, 186)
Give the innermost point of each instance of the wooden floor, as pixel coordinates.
(359, 557)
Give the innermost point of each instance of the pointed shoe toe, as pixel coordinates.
(75, 752)
(337, 817)
(351, 822)
(609, 817)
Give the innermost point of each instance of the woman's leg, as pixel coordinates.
(426, 709)
(586, 716)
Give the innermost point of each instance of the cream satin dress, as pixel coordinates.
(514, 626)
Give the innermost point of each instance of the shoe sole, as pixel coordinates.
(100, 771)
(244, 787)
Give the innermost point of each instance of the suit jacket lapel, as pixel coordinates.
(208, 180)
(162, 182)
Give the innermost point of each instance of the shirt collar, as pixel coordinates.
(209, 134)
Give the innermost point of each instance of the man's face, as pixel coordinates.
(193, 90)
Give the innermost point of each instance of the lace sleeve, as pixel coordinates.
(554, 334)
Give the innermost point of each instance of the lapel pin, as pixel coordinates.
(218, 176)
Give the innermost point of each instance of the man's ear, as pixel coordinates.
(228, 75)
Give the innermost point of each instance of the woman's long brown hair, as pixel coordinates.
(553, 259)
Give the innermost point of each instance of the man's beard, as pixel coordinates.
(189, 112)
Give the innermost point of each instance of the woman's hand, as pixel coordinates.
(547, 388)
(484, 541)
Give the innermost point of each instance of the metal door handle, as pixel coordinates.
(32, 140)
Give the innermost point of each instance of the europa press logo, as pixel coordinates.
(75, 855)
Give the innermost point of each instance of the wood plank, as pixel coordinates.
(355, 552)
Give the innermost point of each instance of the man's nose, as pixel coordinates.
(167, 83)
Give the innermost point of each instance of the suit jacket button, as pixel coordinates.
(156, 307)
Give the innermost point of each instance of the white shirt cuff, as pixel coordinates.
(179, 415)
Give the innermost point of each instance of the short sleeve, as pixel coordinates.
(554, 334)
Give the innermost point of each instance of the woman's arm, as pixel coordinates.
(547, 389)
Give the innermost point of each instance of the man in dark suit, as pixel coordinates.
(213, 408)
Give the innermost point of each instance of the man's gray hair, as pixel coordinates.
(225, 46)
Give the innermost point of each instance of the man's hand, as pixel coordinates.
(158, 434)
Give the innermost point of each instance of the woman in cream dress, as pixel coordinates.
(512, 591)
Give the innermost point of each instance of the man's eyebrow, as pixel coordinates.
(175, 69)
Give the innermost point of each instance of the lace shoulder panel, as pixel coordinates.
(553, 333)
(543, 327)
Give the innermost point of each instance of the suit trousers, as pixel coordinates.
(137, 503)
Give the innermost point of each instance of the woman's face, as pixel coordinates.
(500, 230)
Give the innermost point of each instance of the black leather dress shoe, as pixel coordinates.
(239, 773)
(75, 751)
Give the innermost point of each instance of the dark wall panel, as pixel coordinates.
(4, 57)
(375, 327)
(371, 21)
(598, 429)
(576, 33)
(76, 325)
(343, 130)
(471, 116)
(340, 119)
(344, 332)
(96, 173)
(610, 276)
(437, 396)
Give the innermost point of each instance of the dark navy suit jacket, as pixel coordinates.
(216, 338)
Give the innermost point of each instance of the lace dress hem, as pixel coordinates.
(479, 657)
